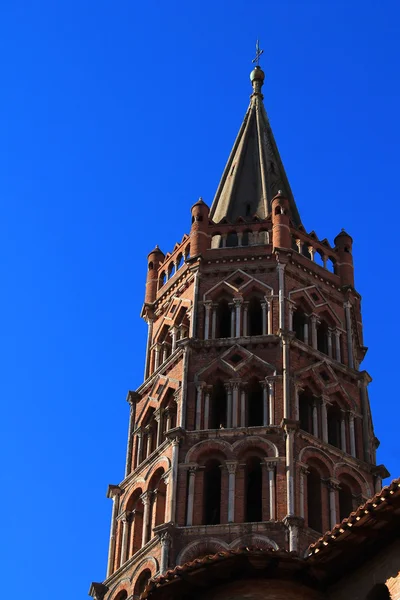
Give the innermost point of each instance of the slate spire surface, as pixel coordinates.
(254, 173)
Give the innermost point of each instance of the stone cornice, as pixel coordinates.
(165, 365)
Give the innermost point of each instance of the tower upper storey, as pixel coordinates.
(254, 172)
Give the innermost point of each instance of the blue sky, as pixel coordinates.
(114, 118)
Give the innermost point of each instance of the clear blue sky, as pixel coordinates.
(115, 117)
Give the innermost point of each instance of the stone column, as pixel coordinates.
(232, 307)
(240, 237)
(343, 431)
(264, 317)
(206, 408)
(156, 356)
(285, 366)
(271, 489)
(145, 497)
(238, 310)
(165, 546)
(235, 403)
(269, 316)
(164, 352)
(174, 334)
(314, 338)
(243, 406)
(125, 517)
(231, 466)
(290, 432)
(113, 492)
(199, 400)
(228, 388)
(297, 390)
(333, 486)
(139, 447)
(352, 434)
(190, 499)
(303, 479)
(149, 338)
(306, 333)
(223, 238)
(315, 417)
(214, 321)
(271, 403)
(159, 420)
(149, 440)
(330, 343)
(265, 389)
(207, 307)
(281, 269)
(245, 318)
(324, 419)
(173, 479)
(290, 326)
(337, 346)
(347, 308)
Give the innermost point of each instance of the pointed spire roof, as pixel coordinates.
(254, 173)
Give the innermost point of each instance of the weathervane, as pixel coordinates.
(258, 54)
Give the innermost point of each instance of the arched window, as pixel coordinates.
(171, 270)
(141, 582)
(314, 499)
(157, 490)
(135, 507)
(223, 319)
(306, 403)
(180, 262)
(232, 239)
(218, 407)
(305, 251)
(300, 321)
(255, 317)
(318, 258)
(380, 591)
(334, 425)
(163, 279)
(253, 490)
(255, 403)
(123, 595)
(345, 500)
(151, 266)
(212, 492)
(322, 337)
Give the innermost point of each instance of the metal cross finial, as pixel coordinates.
(258, 54)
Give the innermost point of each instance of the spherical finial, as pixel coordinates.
(257, 74)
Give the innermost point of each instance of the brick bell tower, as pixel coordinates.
(252, 426)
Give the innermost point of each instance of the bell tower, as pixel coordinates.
(252, 426)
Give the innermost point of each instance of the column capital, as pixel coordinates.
(231, 466)
(145, 498)
(208, 304)
(237, 301)
(175, 435)
(125, 516)
(269, 464)
(333, 484)
(166, 538)
(280, 266)
(289, 426)
(113, 491)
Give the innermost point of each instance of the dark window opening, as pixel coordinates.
(248, 210)
(305, 251)
(255, 317)
(314, 500)
(142, 581)
(315, 296)
(322, 337)
(345, 501)
(212, 493)
(151, 266)
(253, 490)
(224, 319)
(232, 239)
(294, 245)
(235, 358)
(306, 402)
(299, 322)
(218, 406)
(245, 238)
(255, 411)
(334, 423)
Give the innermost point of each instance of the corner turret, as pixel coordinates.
(199, 239)
(344, 266)
(154, 259)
